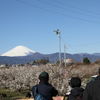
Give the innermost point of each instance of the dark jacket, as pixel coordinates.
(45, 89)
(92, 90)
(75, 92)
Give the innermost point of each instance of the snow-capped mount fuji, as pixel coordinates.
(19, 51)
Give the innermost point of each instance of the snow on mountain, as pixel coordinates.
(19, 51)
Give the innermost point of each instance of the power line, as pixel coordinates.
(70, 46)
(57, 12)
(75, 7)
(87, 44)
(68, 9)
(79, 45)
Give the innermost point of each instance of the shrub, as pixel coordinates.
(86, 61)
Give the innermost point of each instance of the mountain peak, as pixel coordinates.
(19, 51)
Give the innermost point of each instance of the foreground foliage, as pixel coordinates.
(12, 95)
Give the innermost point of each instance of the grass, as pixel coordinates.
(12, 95)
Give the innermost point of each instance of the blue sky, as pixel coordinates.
(31, 23)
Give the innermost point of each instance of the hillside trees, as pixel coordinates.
(19, 78)
(97, 61)
(40, 62)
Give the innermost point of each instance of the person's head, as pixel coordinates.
(75, 82)
(28, 95)
(44, 76)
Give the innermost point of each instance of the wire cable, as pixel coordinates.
(75, 7)
(58, 13)
(78, 45)
(67, 9)
(87, 44)
(69, 45)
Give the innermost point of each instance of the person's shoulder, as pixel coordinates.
(82, 89)
(50, 85)
(35, 86)
(90, 84)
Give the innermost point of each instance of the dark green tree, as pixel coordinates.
(86, 61)
(42, 61)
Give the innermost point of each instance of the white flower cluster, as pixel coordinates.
(18, 78)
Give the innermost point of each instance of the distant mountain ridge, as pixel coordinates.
(52, 58)
(96, 54)
(29, 55)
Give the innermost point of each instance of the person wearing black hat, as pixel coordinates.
(76, 91)
(44, 87)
